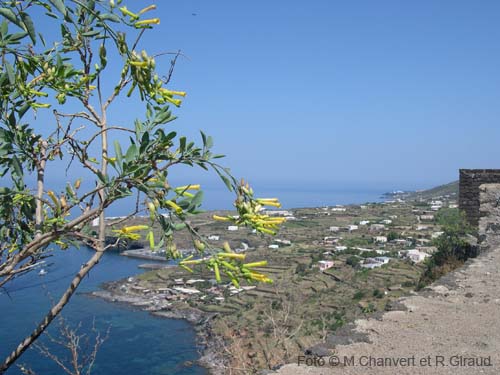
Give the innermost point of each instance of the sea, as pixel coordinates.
(138, 343)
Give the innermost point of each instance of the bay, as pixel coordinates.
(138, 342)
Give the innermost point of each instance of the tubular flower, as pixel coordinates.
(139, 64)
(232, 256)
(171, 93)
(127, 12)
(147, 9)
(129, 232)
(256, 264)
(188, 187)
(221, 218)
(146, 23)
(174, 205)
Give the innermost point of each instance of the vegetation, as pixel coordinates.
(57, 88)
(452, 247)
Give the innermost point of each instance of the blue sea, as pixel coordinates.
(138, 342)
(290, 197)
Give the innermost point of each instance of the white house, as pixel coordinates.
(352, 227)
(214, 237)
(232, 228)
(375, 262)
(380, 239)
(334, 229)
(95, 222)
(383, 260)
(339, 209)
(340, 248)
(274, 246)
(330, 240)
(416, 256)
(371, 265)
(387, 221)
(325, 264)
(364, 222)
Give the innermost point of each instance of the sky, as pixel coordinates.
(324, 94)
(345, 93)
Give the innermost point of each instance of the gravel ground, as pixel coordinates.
(453, 327)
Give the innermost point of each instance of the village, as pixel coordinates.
(329, 264)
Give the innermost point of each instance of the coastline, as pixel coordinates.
(210, 358)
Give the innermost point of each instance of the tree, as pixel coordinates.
(56, 91)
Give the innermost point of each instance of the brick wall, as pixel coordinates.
(468, 194)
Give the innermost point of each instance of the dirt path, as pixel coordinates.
(452, 328)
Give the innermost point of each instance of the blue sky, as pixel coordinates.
(335, 94)
(350, 93)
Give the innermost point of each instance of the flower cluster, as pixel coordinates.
(249, 211)
(231, 265)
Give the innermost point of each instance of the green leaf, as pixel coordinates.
(17, 36)
(110, 17)
(118, 153)
(91, 33)
(29, 26)
(179, 226)
(182, 144)
(131, 153)
(144, 142)
(9, 14)
(163, 116)
(210, 142)
(10, 73)
(226, 180)
(22, 110)
(196, 201)
(4, 29)
(59, 4)
(16, 166)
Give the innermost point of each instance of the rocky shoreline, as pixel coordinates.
(212, 358)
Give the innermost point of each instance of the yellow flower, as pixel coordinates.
(140, 64)
(127, 12)
(172, 92)
(132, 228)
(188, 187)
(174, 205)
(145, 23)
(176, 102)
(256, 264)
(221, 218)
(232, 256)
(147, 9)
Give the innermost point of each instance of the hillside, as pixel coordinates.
(449, 190)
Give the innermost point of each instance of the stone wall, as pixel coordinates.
(468, 196)
(489, 221)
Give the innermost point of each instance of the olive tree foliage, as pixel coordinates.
(56, 89)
